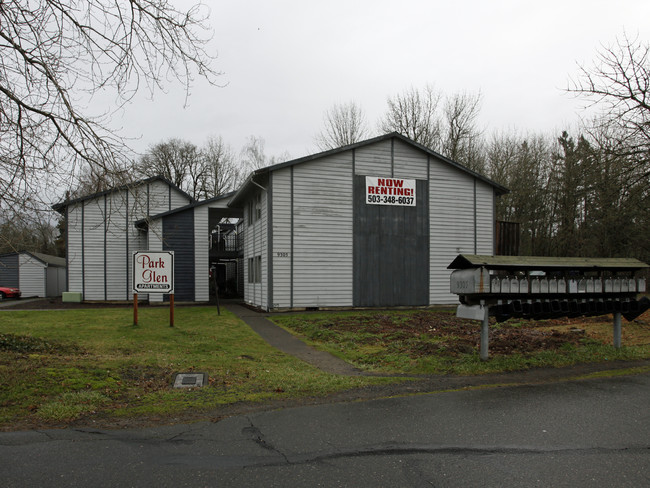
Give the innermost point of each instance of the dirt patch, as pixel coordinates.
(426, 332)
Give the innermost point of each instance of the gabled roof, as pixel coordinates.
(142, 223)
(59, 207)
(49, 259)
(500, 190)
(545, 263)
(44, 258)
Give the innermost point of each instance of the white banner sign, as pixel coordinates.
(390, 191)
(153, 272)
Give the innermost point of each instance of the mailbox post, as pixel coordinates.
(485, 332)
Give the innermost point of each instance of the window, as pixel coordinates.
(254, 208)
(255, 269)
(258, 206)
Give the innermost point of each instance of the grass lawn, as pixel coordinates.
(437, 342)
(62, 365)
(58, 366)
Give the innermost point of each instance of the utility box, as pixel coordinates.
(72, 297)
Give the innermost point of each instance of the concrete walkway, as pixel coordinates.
(10, 302)
(285, 342)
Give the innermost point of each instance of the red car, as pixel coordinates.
(8, 292)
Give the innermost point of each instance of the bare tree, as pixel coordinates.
(94, 179)
(221, 172)
(414, 113)
(28, 232)
(178, 161)
(618, 84)
(344, 124)
(253, 155)
(56, 54)
(461, 138)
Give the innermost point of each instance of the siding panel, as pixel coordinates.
(256, 242)
(9, 271)
(155, 243)
(201, 254)
(323, 232)
(178, 236)
(74, 251)
(32, 276)
(410, 162)
(281, 235)
(451, 225)
(116, 248)
(374, 160)
(93, 272)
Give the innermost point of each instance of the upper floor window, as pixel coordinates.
(255, 208)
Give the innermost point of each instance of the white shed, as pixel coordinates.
(35, 274)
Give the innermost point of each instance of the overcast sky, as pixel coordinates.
(286, 62)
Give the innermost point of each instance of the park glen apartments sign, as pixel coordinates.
(153, 272)
(390, 191)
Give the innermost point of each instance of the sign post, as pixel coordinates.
(153, 272)
(135, 309)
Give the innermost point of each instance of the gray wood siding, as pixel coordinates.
(9, 273)
(282, 286)
(74, 251)
(452, 223)
(410, 162)
(256, 244)
(374, 160)
(322, 233)
(33, 276)
(154, 243)
(116, 247)
(93, 272)
(201, 254)
(177, 199)
(485, 218)
(178, 236)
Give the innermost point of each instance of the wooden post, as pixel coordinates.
(135, 309)
(617, 330)
(216, 290)
(171, 310)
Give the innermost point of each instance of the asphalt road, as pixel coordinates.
(593, 433)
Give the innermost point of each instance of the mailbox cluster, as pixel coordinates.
(534, 287)
(561, 285)
(544, 297)
(544, 287)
